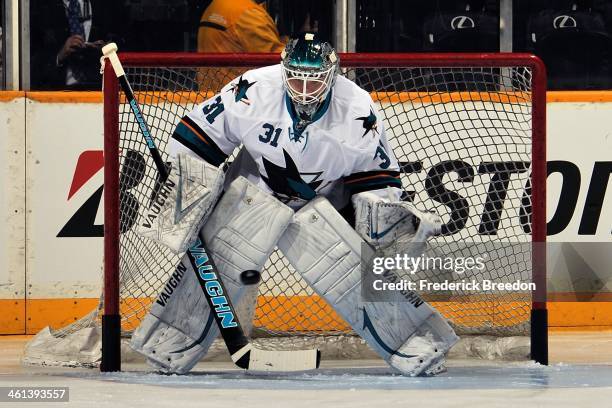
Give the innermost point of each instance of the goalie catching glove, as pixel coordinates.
(384, 223)
(182, 203)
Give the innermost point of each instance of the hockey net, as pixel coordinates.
(449, 119)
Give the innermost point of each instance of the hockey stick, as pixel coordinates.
(243, 354)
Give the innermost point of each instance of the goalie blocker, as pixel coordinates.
(183, 203)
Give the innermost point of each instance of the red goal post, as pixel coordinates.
(535, 93)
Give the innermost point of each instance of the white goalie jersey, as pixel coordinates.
(343, 151)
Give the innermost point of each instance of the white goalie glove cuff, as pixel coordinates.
(183, 203)
(382, 222)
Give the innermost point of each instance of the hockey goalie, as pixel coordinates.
(316, 178)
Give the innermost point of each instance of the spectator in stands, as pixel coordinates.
(238, 26)
(66, 37)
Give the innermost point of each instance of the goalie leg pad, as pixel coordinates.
(411, 336)
(182, 203)
(241, 233)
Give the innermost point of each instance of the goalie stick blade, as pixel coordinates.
(284, 360)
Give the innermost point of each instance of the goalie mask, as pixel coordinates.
(309, 67)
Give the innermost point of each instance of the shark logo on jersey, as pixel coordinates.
(289, 182)
(298, 136)
(240, 90)
(369, 123)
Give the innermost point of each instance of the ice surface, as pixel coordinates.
(346, 383)
(371, 375)
(337, 384)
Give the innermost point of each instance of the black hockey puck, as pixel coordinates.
(250, 277)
